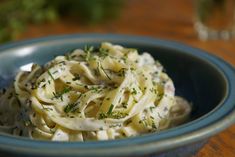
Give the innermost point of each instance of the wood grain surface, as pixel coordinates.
(166, 19)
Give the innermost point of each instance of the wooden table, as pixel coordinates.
(165, 19)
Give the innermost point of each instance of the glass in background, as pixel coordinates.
(215, 19)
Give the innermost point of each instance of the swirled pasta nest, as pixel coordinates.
(102, 93)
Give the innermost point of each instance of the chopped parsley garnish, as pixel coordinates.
(88, 50)
(96, 72)
(110, 109)
(154, 125)
(124, 105)
(154, 83)
(50, 74)
(132, 68)
(118, 115)
(153, 90)
(95, 89)
(67, 56)
(70, 107)
(122, 72)
(151, 108)
(105, 72)
(128, 122)
(115, 115)
(55, 72)
(102, 116)
(33, 86)
(103, 52)
(60, 94)
(134, 91)
(62, 62)
(101, 128)
(115, 125)
(76, 77)
(47, 109)
(73, 56)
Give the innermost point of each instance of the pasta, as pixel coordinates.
(103, 93)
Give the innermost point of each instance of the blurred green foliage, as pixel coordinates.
(15, 15)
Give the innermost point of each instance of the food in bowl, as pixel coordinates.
(103, 93)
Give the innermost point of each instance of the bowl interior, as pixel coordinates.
(195, 78)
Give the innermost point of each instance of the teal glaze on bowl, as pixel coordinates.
(204, 79)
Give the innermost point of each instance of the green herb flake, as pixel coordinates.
(110, 109)
(151, 108)
(102, 116)
(60, 94)
(55, 72)
(124, 105)
(105, 72)
(49, 73)
(118, 115)
(67, 56)
(88, 50)
(70, 107)
(101, 128)
(134, 91)
(132, 69)
(103, 52)
(47, 109)
(121, 72)
(76, 77)
(128, 122)
(154, 125)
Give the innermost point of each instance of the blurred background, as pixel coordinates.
(174, 20)
(186, 21)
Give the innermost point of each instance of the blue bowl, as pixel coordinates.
(204, 79)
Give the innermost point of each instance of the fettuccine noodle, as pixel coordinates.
(110, 92)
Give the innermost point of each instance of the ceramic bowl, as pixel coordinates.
(204, 79)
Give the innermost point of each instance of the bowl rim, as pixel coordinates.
(213, 122)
